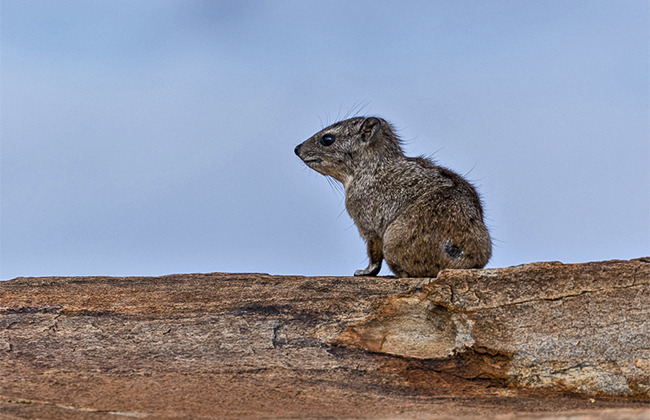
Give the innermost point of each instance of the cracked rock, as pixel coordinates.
(581, 328)
(496, 343)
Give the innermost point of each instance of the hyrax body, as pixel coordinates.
(417, 216)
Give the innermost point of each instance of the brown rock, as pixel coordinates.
(582, 328)
(473, 343)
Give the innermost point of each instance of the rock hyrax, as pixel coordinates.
(417, 216)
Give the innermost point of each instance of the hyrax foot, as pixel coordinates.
(371, 270)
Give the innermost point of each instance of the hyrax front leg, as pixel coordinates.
(375, 254)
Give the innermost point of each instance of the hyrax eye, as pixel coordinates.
(327, 139)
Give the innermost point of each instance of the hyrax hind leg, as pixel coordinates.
(409, 252)
(414, 242)
(417, 246)
(375, 255)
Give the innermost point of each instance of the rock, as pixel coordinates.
(564, 340)
(581, 328)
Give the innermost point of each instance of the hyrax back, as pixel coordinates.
(417, 216)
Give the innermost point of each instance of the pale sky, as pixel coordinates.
(156, 137)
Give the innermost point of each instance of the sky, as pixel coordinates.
(151, 137)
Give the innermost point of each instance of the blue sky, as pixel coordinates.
(156, 137)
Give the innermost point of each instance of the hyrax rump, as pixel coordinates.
(417, 216)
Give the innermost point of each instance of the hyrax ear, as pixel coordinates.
(369, 127)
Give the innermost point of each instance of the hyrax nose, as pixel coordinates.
(297, 150)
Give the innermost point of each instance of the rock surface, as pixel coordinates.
(544, 340)
(581, 328)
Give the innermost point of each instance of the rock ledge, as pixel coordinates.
(543, 337)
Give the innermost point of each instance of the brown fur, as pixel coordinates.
(417, 216)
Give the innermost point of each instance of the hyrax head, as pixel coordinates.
(338, 149)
